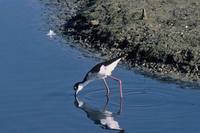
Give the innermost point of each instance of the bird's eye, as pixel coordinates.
(75, 87)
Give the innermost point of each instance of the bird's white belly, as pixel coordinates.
(105, 71)
(93, 76)
(101, 76)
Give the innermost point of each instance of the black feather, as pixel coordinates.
(97, 67)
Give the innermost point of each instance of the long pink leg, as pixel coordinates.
(120, 84)
(107, 88)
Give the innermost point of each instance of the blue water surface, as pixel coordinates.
(37, 74)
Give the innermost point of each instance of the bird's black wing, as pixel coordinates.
(97, 67)
(106, 63)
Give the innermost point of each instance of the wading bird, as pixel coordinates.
(100, 71)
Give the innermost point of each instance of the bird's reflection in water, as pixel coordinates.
(104, 118)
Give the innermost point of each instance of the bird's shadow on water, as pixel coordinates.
(104, 118)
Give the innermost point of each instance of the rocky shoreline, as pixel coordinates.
(160, 37)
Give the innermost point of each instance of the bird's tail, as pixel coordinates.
(123, 56)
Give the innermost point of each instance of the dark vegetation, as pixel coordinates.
(158, 36)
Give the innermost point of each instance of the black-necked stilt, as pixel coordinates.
(100, 71)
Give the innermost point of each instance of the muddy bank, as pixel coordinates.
(160, 36)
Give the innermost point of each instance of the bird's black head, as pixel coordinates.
(76, 86)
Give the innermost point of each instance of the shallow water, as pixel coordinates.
(37, 75)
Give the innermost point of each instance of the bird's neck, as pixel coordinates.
(84, 83)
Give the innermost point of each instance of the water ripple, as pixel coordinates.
(146, 98)
(132, 97)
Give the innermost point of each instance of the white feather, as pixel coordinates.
(107, 70)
